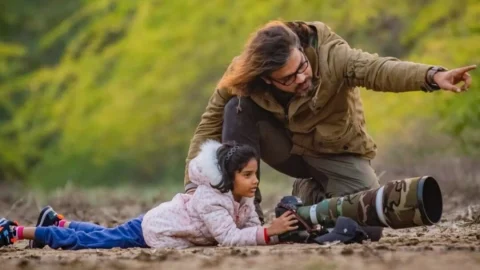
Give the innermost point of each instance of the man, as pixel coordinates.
(292, 95)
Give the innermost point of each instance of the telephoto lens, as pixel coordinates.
(398, 204)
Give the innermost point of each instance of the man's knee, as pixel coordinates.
(231, 106)
(238, 123)
(238, 105)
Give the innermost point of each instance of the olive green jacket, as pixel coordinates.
(330, 120)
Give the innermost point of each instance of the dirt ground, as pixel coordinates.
(453, 242)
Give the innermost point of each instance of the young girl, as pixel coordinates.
(221, 211)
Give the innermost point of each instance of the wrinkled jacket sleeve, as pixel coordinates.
(363, 69)
(253, 219)
(223, 228)
(210, 127)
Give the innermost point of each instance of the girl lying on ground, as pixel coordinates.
(221, 211)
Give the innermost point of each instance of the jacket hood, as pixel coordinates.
(204, 169)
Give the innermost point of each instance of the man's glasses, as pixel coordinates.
(290, 79)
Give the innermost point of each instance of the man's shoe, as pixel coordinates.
(48, 217)
(7, 232)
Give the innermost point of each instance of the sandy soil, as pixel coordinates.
(453, 242)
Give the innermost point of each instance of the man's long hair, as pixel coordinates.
(266, 50)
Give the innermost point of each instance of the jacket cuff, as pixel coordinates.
(263, 239)
(422, 78)
(261, 235)
(429, 85)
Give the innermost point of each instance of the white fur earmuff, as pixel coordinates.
(207, 160)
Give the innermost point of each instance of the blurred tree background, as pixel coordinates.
(109, 92)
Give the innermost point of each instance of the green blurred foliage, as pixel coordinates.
(107, 92)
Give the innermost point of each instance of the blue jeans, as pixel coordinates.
(84, 235)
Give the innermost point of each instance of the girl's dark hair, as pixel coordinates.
(232, 158)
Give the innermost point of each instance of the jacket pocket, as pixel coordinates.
(335, 136)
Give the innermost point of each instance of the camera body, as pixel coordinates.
(305, 233)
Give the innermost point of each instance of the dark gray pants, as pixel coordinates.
(332, 175)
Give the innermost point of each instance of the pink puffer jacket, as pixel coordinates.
(208, 217)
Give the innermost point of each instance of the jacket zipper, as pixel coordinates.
(286, 110)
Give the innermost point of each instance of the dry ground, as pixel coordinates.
(453, 242)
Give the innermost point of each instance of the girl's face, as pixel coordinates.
(246, 182)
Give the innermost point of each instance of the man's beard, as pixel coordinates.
(304, 88)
